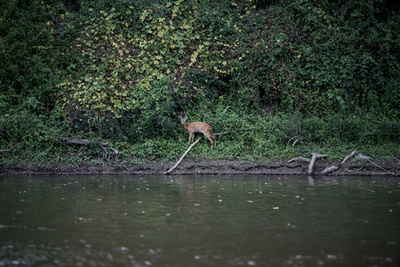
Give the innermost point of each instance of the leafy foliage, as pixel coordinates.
(325, 71)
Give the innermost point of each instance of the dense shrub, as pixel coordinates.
(325, 71)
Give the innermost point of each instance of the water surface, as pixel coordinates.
(199, 221)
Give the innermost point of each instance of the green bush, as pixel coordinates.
(325, 72)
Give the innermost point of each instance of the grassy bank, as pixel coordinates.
(269, 140)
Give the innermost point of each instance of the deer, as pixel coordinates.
(198, 127)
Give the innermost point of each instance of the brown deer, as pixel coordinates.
(198, 127)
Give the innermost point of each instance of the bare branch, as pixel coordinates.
(330, 169)
(295, 141)
(360, 156)
(348, 156)
(14, 146)
(179, 161)
(335, 168)
(312, 162)
(299, 158)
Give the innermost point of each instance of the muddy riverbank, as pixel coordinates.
(209, 167)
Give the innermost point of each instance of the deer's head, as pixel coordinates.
(183, 119)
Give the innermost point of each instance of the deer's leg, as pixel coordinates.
(190, 137)
(209, 138)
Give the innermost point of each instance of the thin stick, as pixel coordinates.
(14, 146)
(299, 158)
(295, 141)
(184, 154)
(348, 156)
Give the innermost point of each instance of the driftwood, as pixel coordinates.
(14, 146)
(335, 168)
(360, 156)
(314, 157)
(299, 159)
(312, 162)
(357, 156)
(180, 160)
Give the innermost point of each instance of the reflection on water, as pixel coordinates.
(199, 221)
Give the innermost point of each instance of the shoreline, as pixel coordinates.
(204, 167)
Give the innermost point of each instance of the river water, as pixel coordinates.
(199, 221)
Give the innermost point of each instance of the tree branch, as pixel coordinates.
(311, 161)
(294, 142)
(360, 156)
(179, 161)
(14, 146)
(299, 158)
(335, 168)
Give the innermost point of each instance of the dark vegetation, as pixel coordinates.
(323, 72)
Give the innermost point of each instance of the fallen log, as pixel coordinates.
(314, 157)
(335, 168)
(357, 155)
(180, 160)
(330, 169)
(312, 162)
